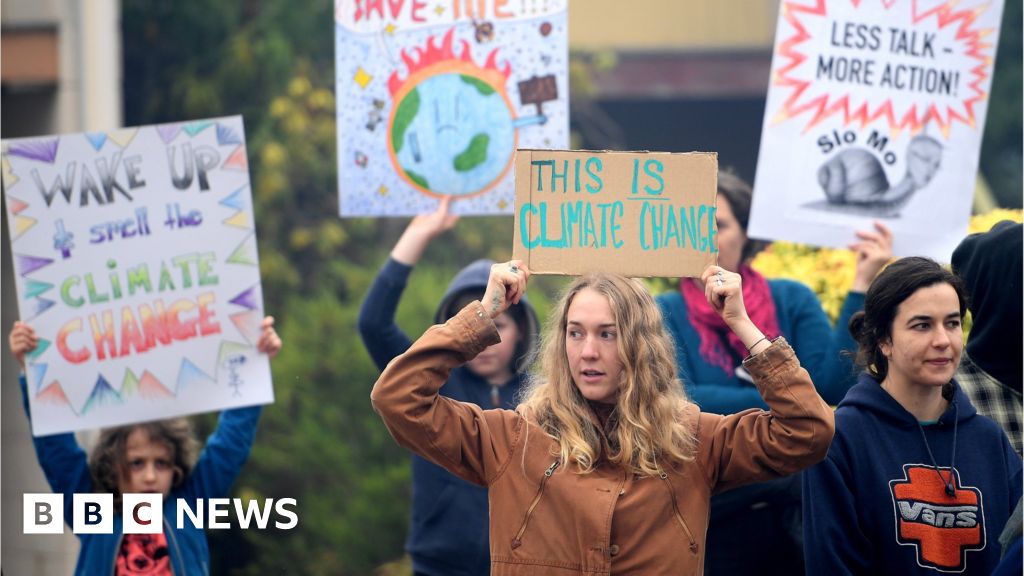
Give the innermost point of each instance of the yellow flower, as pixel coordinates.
(829, 272)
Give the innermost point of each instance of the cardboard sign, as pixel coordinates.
(135, 262)
(433, 100)
(875, 112)
(633, 213)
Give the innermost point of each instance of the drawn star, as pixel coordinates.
(390, 28)
(383, 190)
(439, 10)
(502, 205)
(362, 77)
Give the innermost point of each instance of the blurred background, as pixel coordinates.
(655, 75)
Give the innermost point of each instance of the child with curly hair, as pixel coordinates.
(152, 457)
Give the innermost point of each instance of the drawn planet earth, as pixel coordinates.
(452, 134)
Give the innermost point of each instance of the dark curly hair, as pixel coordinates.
(108, 462)
(872, 326)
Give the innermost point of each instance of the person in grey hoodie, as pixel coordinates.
(448, 532)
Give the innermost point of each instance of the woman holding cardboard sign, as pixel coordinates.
(605, 467)
(763, 519)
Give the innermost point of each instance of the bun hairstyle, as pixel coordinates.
(872, 326)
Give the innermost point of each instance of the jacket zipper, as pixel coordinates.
(675, 510)
(517, 541)
(173, 540)
(495, 396)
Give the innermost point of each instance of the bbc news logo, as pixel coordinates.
(143, 513)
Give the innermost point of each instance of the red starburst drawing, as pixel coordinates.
(966, 45)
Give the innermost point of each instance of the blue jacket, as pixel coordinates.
(448, 533)
(804, 324)
(66, 468)
(877, 505)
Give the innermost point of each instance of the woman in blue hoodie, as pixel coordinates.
(448, 532)
(915, 481)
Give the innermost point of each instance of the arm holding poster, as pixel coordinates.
(148, 457)
(382, 337)
(708, 355)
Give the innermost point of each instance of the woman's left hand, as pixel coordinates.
(724, 291)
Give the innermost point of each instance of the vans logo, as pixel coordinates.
(941, 527)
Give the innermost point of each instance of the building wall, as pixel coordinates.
(61, 73)
(672, 25)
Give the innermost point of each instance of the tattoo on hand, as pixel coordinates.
(495, 303)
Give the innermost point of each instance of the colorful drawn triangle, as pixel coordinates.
(197, 127)
(237, 160)
(230, 350)
(34, 288)
(190, 375)
(151, 387)
(16, 205)
(168, 132)
(40, 150)
(97, 139)
(39, 306)
(129, 384)
(38, 373)
(235, 199)
(102, 395)
(29, 264)
(247, 299)
(40, 348)
(9, 178)
(123, 137)
(227, 135)
(244, 253)
(22, 224)
(248, 324)
(53, 394)
(239, 220)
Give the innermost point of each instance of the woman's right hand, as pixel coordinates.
(422, 231)
(505, 286)
(23, 340)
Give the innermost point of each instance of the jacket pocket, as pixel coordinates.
(677, 514)
(518, 540)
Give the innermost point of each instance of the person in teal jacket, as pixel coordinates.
(147, 457)
(765, 516)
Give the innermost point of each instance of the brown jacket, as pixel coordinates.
(547, 519)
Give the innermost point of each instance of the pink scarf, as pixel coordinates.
(710, 327)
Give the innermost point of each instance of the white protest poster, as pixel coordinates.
(435, 96)
(135, 260)
(875, 111)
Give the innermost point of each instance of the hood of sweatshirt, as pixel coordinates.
(473, 278)
(869, 396)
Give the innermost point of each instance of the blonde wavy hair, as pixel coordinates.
(646, 430)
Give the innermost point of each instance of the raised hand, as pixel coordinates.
(505, 286)
(874, 250)
(724, 291)
(422, 230)
(23, 340)
(269, 342)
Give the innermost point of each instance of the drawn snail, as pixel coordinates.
(855, 176)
